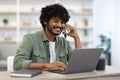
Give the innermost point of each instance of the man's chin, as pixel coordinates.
(56, 34)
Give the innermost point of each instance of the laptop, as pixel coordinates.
(82, 60)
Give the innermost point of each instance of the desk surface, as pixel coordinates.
(111, 73)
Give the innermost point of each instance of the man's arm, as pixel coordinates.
(48, 66)
(77, 42)
(22, 57)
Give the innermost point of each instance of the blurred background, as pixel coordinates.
(97, 22)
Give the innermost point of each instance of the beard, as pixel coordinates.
(53, 29)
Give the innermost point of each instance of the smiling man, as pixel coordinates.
(45, 49)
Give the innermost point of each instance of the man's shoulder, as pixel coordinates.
(32, 35)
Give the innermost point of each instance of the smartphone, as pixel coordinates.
(64, 30)
(65, 33)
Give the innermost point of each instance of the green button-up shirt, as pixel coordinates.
(35, 48)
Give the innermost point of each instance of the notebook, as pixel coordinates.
(25, 73)
(82, 60)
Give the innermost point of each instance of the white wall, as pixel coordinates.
(103, 17)
(116, 36)
(107, 20)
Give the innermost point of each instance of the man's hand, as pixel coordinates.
(57, 65)
(71, 31)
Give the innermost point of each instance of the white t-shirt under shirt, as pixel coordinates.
(52, 52)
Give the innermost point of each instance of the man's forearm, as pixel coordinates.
(77, 42)
(37, 66)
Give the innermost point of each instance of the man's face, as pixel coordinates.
(54, 26)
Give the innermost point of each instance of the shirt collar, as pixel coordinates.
(44, 37)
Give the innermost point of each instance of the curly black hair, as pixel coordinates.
(54, 10)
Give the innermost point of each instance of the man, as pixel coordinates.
(45, 49)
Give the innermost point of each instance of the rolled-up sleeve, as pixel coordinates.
(25, 64)
(22, 57)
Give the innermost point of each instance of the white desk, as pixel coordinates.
(111, 73)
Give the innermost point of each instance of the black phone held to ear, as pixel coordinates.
(65, 34)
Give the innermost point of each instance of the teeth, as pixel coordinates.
(56, 28)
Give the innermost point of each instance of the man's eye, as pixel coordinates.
(56, 21)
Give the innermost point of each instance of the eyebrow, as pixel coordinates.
(56, 18)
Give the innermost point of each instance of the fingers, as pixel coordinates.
(61, 69)
(60, 65)
(71, 31)
(67, 26)
(57, 65)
